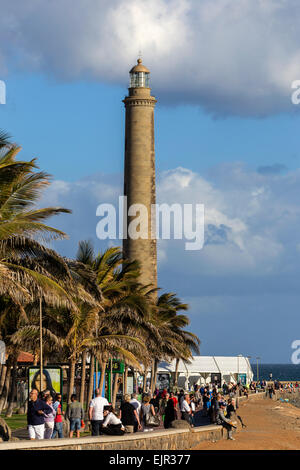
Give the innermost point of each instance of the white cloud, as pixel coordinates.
(232, 57)
(248, 272)
(251, 220)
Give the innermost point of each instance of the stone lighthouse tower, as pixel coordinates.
(139, 172)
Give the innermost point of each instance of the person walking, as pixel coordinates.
(271, 391)
(137, 406)
(147, 410)
(162, 407)
(58, 420)
(96, 407)
(49, 418)
(192, 404)
(75, 415)
(36, 416)
(170, 414)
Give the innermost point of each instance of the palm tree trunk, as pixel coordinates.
(83, 376)
(2, 379)
(176, 372)
(91, 380)
(115, 390)
(144, 381)
(125, 380)
(103, 369)
(72, 365)
(35, 359)
(152, 382)
(5, 389)
(155, 373)
(13, 385)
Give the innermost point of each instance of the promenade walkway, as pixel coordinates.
(271, 425)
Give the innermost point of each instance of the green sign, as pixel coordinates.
(242, 378)
(117, 367)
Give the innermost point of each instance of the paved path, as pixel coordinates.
(271, 425)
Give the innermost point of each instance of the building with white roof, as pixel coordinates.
(208, 369)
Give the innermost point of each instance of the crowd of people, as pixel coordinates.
(136, 413)
(145, 411)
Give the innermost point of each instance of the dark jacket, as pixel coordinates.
(33, 417)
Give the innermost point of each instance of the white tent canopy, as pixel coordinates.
(202, 368)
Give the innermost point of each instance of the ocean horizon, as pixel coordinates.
(279, 371)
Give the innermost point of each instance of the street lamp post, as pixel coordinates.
(41, 346)
(238, 368)
(257, 374)
(248, 363)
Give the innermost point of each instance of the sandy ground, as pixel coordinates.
(271, 425)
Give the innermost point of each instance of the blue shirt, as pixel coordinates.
(33, 417)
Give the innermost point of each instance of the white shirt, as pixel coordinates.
(98, 404)
(185, 406)
(111, 419)
(136, 404)
(193, 406)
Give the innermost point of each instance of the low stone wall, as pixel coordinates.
(158, 440)
(171, 439)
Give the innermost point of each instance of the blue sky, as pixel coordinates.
(226, 136)
(185, 135)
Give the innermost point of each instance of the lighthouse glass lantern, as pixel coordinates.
(139, 76)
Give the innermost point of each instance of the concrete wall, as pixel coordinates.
(177, 439)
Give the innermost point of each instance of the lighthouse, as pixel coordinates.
(139, 173)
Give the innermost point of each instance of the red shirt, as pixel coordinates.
(58, 417)
(174, 400)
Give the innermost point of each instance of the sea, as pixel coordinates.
(279, 372)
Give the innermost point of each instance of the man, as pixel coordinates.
(36, 416)
(185, 409)
(271, 391)
(223, 421)
(96, 412)
(75, 415)
(137, 406)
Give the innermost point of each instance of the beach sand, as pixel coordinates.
(271, 425)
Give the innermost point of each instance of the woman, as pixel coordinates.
(155, 401)
(170, 414)
(46, 382)
(58, 421)
(49, 419)
(128, 415)
(147, 410)
(230, 410)
(206, 402)
(112, 425)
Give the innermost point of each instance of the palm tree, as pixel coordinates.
(176, 342)
(20, 225)
(24, 262)
(125, 305)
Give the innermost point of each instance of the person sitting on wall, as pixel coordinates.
(224, 421)
(112, 425)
